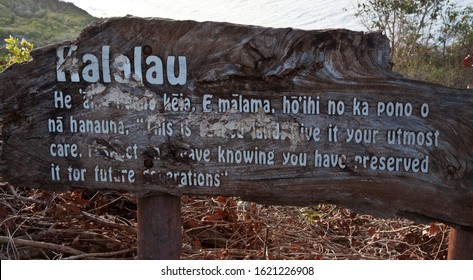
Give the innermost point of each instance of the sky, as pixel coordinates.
(302, 14)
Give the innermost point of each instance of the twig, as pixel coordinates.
(395, 230)
(265, 249)
(440, 246)
(107, 204)
(100, 255)
(42, 245)
(104, 221)
(26, 199)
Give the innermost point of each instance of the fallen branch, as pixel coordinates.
(42, 245)
(100, 255)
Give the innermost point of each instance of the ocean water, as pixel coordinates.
(302, 14)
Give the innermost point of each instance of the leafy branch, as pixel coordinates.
(18, 51)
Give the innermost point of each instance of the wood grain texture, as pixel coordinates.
(460, 245)
(159, 227)
(229, 62)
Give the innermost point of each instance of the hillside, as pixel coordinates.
(42, 22)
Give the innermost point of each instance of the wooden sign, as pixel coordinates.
(278, 116)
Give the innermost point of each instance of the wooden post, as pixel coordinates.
(159, 227)
(460, 246)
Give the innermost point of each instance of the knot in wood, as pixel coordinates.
(147, 50)
(451, 170)
(148, 163)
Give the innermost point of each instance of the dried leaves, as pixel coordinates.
(80, 224)
(88, 225)
(226, 228)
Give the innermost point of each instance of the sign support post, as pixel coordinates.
(159, 227)
(460, 245)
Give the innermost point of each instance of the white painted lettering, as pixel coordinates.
(394, 109)
(253, 156)
(294, 159)
(76, 174)
(63, 150)
(91, 72)
(109, 175)
(329, 160)
(96, 126)
(195, 178)
(394, 164)
(411, 138)
(301, 104)
(176, 102)
(360, 108)
(310, 133)
(200, 155)
(138, 73)
(182, 76)
(336, 107)
(367, 136)
(55, 172)
(65, 62)
(206, 103)
(424, 110)
(242, 104)
(155, 73)
(55, 125)
(121, 68)
(62, 101)
(332, 133)
(106, 64)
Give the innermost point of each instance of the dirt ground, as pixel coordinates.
(102, 225)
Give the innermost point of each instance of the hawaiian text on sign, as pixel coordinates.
(92, 68)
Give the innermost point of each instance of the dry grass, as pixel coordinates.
(90, 225)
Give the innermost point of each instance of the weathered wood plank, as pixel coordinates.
(279, 116)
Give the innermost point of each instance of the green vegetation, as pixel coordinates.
(41, 22)
(18, 51)
(429, 38)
